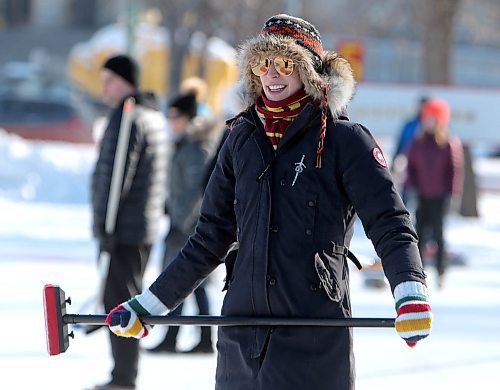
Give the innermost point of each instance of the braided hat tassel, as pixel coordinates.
(322, 135)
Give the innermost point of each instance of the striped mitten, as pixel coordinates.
(414, 314)
(124, 320)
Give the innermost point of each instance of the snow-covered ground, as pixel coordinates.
(45, 238)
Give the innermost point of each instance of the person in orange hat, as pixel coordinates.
(435, 173)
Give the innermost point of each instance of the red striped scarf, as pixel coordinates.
(278, 115)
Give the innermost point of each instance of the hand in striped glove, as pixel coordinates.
(123, 320)
(414, 315)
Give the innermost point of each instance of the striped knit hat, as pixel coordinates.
(301, 31)
(326, 76)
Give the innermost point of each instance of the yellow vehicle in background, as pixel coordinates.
(151, 43)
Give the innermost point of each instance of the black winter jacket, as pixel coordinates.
(281, 217)
(142, 199)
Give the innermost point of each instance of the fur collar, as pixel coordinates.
(336, 72)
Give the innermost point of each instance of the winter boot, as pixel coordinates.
(205, 344)
(168, 345)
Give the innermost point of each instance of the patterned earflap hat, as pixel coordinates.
(326, 76)
(300, 31)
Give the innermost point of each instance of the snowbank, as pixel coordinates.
(37, 171)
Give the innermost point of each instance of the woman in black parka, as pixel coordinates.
(288, 184)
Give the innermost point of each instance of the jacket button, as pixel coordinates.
(308, 232)
(274, 228)
(272, 282)
(283, 182)
(311, 203)
(313, 287)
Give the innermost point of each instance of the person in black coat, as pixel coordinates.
(140, 201)
(289, 182)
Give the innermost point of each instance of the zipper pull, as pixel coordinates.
(259, 178)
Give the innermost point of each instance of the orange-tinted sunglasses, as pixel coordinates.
(283, 65)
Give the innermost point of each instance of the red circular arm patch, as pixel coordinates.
(379, 156)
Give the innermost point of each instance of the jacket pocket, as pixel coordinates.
(329, 268)
(229, 262)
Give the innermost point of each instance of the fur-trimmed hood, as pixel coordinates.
(336, 71)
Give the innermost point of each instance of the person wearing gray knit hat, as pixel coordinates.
(290, 180)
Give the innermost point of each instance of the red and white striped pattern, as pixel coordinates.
(414, 314)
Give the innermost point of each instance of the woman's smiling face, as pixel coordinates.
(277, 87)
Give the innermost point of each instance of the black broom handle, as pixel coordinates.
(100, 319)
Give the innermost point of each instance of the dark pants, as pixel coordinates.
(203, 309)
(174, 242)
(430, 216)
(126, 271)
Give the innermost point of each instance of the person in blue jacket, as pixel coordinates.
(289, 182)
(400, 157)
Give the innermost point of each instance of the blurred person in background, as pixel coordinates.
(140, 204)
(400, 158)
(194, 145)
(287, 186)
(199, 88)
(435, 173)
